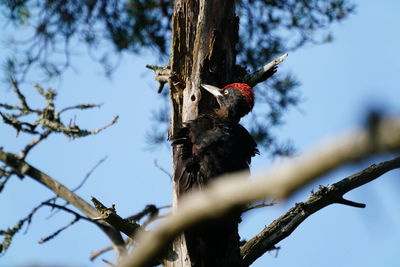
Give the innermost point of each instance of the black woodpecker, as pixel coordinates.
(215, 144)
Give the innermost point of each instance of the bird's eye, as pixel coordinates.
(226, 92)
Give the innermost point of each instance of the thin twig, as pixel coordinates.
(56, 233)
(77, 215)
(107, 262)
(89, 173)
(41, 137)
(80, 106)
(81, 183)
(20, 96)
(96, 254)
(162, 169)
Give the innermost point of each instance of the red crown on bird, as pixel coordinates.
(246, 90)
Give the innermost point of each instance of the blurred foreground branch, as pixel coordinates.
(279, 182)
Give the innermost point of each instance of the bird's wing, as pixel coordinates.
(245, 143)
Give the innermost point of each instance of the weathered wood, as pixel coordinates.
(204, 35)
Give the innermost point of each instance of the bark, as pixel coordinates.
(204, 34)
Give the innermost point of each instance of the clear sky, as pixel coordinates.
(339, 82)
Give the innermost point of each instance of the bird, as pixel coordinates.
(214, 144)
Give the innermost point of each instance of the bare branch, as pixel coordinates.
(19, 126)
(48, 118)
(265, 72)
(10, 107)
(20, 96)
(11, 232)
(25, 151)
(259, 205)
(80, 106)
(22, 168)
(112, 122)
(162, 75)
(4, 175)
(56, 233)
(286, 224)
(110, 216)
(107, 262)
(162, 169)
(82, 182)
(279, 182)
(77, 215)
(89, 174)
(150, 210)
(350, 203)
(96, 254)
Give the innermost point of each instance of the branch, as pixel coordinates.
(56, 233)
(80, 106)
(265, 72)
(81, 183)
(95, 254)
(49, 120)
(77, 215)
(150, 210)
(162, 75)
(19, 126)
(279, 182)
(110, 216)
(162, 169)
(22, 168)
(21, 97)
(89, 173)
(286, 224)
(73, 131)
(9, 233)
(259, 205)
(33, 143)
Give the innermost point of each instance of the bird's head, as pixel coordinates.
(235, 100)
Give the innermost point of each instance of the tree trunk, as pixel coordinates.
(204, 35)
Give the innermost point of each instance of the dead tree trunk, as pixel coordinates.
(204, 35)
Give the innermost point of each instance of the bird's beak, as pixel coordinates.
(212, 89)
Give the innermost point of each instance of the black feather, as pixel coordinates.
(212, 146)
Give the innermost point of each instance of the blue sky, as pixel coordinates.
(339, 82)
